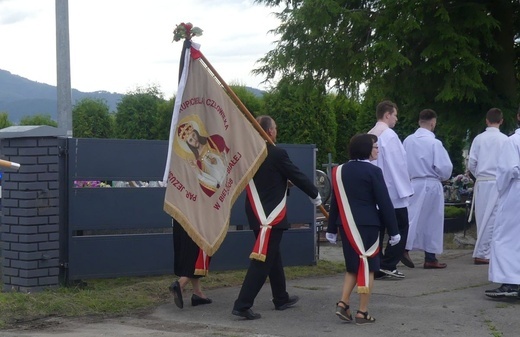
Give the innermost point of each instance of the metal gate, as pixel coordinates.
(113, 232)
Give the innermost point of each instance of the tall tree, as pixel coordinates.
(458, 57)
(252, 102)
(91, 119)
(164, 119)
(138, 114)
(304, 115)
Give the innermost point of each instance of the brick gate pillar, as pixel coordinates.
(29, 225)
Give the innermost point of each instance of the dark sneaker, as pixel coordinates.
(396, 274)
(290, 302)
(378, 275)
(505, 290)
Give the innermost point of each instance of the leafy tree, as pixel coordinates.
(457, 57)
(346, 112)
(39, 119)
(304, 116)
(252, 102)
(138, 114)
(164, 119)
(91, 119)
(4, 120)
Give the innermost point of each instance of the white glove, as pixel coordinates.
(332, 238)
(316, 201)
(394, 239)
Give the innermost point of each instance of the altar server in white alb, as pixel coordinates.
(483, 160)
(504, 264)
(392, 161)
(428, 165)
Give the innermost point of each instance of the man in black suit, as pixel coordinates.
(265, 207)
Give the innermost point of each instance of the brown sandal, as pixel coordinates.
(365, 319)
(343, 312)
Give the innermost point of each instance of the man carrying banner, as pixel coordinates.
(266, 212)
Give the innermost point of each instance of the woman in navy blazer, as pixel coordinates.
(372, 210)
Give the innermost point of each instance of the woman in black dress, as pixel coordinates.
(186, 254)
(360, 208)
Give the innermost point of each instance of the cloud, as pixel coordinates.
(118, 45)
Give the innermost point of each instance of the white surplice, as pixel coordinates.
(428, 165)
(504, 263)
(392, 161)
(482, 163)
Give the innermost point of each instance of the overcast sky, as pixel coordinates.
(119, 45)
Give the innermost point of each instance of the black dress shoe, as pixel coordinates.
(290, 302)
(247, 314)
(175, 289)
(407, 261)
(197, 300)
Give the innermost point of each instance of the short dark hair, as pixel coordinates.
(360, 146)
(427, 115)
(266, 122)
(494, 115)
(384, 107)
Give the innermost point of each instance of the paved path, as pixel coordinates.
(426, 303)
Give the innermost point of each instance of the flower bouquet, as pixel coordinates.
(458, 188)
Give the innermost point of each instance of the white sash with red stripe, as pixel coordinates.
(350, 228)
(266, 222)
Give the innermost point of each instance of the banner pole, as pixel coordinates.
(9, 164)
(237, 101)
(246, 112)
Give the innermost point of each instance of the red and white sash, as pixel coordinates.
(350, 228)
(202, 263)
(266, 222)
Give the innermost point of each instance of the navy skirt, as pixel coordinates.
(369, 235)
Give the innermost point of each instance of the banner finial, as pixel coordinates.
(185, 31)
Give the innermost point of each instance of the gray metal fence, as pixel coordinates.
(112, 232)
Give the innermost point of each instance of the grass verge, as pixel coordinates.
(123, 296)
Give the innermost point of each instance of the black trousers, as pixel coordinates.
(392, 254)
(258, 272)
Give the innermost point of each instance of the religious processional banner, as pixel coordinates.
(213, 153)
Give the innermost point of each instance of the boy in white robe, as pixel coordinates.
(483, 159)
(428, 165)
(504, 264)
(392, 161)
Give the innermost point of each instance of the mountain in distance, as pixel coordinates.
(21, 97)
